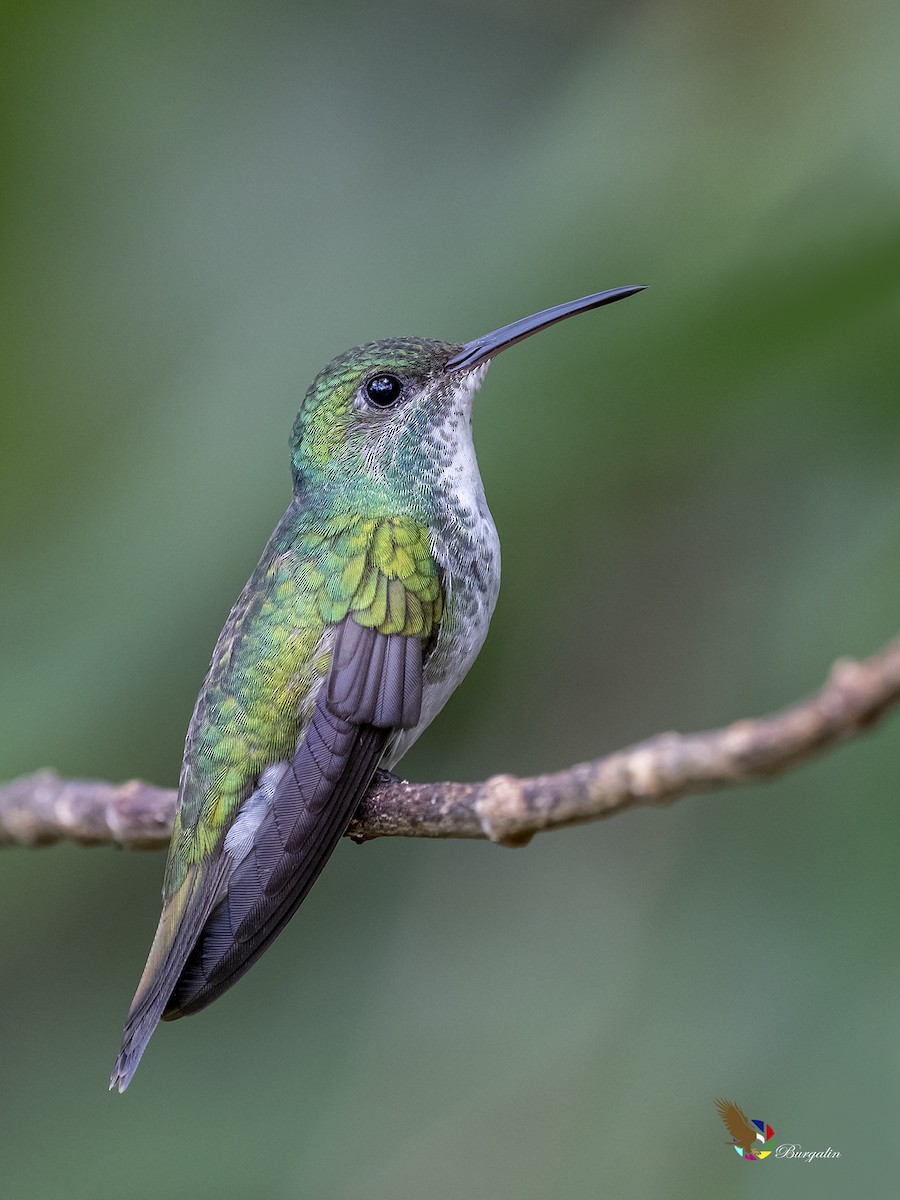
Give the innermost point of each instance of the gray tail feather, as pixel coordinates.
(269, 885)
(137, 1034)
(145, 1013)
(222, 941)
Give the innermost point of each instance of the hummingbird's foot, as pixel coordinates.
(383, 778)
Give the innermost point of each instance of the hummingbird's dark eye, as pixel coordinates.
(383, 390)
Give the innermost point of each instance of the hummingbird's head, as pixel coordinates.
(383, 420)
(373, 414)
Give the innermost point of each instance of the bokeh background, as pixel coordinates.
(697, 497)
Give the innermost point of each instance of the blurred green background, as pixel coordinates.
(696, 492)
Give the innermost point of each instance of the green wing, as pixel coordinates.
(275, 650)
(320, 661)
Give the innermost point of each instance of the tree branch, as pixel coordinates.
(38, 809)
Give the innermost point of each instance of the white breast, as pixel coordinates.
(465, 546)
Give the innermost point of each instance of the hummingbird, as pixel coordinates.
(368, 606)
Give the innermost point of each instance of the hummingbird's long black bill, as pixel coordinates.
(490, 344)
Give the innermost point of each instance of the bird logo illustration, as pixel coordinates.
(745, 1134)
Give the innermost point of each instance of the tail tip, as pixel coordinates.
(120, 1079)
(123, 1072)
